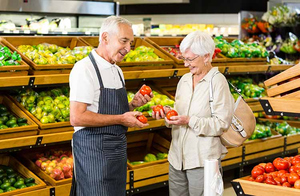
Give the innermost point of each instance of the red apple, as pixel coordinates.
(66, 168)
(69, 174)
(38, 162)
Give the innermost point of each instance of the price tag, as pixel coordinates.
(44, 32)
(16, 31)
(87, 32)
(160, 35)
(65, 32)
(174, 35)
(6, 31)
(26, 31)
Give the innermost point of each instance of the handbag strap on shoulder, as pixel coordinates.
(211, 93)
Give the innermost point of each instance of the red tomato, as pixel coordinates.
(281, 173)
(256, 172)
(145, 90)
(297, 167)
(274, 174)
(283, 180)
(289, 159)
(260, 167)
(277, 180)
(297, 184)
(142, 119)
(286, 184)
(270, 181)
(281, 164)
(293, 178)
(269, 168)
(250, 178)
(171, 113)
(259, 178)
(157, 108)
(292, 169)
(296, 160)
(263, 165)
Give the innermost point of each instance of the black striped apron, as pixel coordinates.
(100, 152)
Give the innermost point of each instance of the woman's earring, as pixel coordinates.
(205, 64)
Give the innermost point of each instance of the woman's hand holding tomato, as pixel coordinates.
(172, 118)
(159, 111)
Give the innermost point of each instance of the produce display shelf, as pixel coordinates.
(293, 123)
(36, 140)
(244, 187)
(281, 106)
(41, 192)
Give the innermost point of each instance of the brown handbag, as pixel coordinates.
(242, 124)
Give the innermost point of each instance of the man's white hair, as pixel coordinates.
(111, 25)
(199, 43)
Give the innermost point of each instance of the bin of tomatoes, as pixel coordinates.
(281, 172)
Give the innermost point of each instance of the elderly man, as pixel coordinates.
(100, 113)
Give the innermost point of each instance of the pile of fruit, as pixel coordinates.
(158, 99)
(173, 51)
(10, 180)
(237, 48)
(261, 131)
(282, 172)
(282, 128)
(149, 158)
(248, 89)
(43, 54)
(48, 106)
(8, 120)
(7, 58)
(141, 53)
(56, 163)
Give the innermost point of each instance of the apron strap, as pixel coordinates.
(97, 70)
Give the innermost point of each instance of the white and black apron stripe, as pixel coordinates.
(100, 152)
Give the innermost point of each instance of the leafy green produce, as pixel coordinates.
(8, 120)
(261, 131)
(239, 49)
(7, 58)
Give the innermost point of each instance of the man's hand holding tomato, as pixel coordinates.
(143, 96)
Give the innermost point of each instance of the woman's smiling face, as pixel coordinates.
(193, 61)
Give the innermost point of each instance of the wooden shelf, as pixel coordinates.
(281, 106)
(244, 187)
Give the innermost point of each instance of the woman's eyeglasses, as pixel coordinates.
(187, 59)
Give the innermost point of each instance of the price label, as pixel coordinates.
(174, 35)
(44, 32)
(26, 31)
(65, 32)
(160, 35)
(16, 31)
(6, 31)
(87, 32)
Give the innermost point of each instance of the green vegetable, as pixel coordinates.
(29, 180)
(150, 157)
(161, 156)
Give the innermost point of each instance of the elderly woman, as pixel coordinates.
(195, 131)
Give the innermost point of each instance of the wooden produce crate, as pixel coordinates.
(16, 70)
(37, 121)
(39, 192)
(233, 156)
(293, 142)
(263, 147)
(255, 188)
(285, 84)
(254, 104)
(21, 169)
(140, 144)
(30, 129)
(13, 42)
(55, 130)
(28, 160)
(284, 93)
(142, 65)
(159, 42)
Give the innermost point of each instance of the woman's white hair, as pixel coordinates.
(199, 43)
(111, 25)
